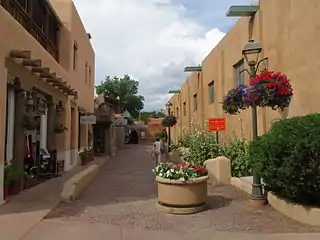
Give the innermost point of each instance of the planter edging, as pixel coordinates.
(190, 181)
(297, 212)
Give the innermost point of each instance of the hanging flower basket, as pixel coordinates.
(233, 102)
(60, 128)
(169, 121)
(269, 89)
(31, 122)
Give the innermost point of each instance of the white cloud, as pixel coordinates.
(150, 40)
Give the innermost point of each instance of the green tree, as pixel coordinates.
(125, 89)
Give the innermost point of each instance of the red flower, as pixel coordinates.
(201, 170)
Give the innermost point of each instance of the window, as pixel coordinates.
(75, 55)
(195, 102)
(89, 76)
(177, 112)
(238, 71)
(86, 73)
(211, 92)
(184, 109)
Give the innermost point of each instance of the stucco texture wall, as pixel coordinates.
(288, 31)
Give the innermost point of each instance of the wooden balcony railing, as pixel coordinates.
(22, 16)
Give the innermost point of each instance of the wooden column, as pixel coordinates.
(51, 144)
(19, 140)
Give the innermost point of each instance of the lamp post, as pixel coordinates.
(168, 105)
(251, 52)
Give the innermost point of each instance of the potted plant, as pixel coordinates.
(29, 181)
(31, 121)
(86, 156)
(16, 177)
(7, 180)
(233, 101)
(60, 128)
(269, 89)
(169, 121)
(182, 188)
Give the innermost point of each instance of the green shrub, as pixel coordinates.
(288, 158)
(202, 145)
(237, 151)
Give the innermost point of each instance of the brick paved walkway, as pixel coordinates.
(121, 201)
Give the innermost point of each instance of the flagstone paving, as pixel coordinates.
(123, 198)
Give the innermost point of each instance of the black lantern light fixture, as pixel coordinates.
(169, 105)
(251, 53)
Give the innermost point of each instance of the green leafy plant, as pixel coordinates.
(202, 145)
(237, 151)
(288, 158)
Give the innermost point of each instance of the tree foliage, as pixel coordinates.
(125, 89)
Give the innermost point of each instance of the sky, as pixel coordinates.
(153, 40)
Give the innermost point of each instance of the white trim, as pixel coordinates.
(10, 124)
(43, 130)
(1, 182)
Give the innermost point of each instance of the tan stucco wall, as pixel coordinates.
(17, 38)
(289, 35)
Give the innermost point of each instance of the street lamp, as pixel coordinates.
(168, 105)
(251, 52)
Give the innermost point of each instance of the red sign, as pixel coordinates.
(217, 124)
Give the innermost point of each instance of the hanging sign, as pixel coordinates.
(91, 119)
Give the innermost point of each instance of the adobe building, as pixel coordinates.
(289, 33)
(47, 71)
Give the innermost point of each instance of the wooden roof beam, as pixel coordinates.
(31, 62)
(40, 70)
(20, 54)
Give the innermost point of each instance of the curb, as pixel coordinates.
(241, 184)
(76, 184)
(297, 212)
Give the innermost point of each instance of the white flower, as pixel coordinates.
(171, 170)
(182, 179)
(161, 174)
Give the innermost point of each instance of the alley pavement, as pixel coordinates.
(120, 205)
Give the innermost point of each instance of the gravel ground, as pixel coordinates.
(124, 194)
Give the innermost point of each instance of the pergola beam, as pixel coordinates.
(31, 62)
(20, 54)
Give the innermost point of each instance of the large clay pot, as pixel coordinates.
(5, 192)
(182, 197)
(15, 188)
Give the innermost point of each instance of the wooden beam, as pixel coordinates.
(40, 70)
(20, 54)
(31, 62)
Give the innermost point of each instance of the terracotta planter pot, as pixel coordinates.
(182, 197)
(5, 192)
(28, 183)
(15, 188)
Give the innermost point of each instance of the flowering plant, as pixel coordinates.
(233, 101)
(169, 121)
(60, 128)
(182, 172)
(269, 89)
